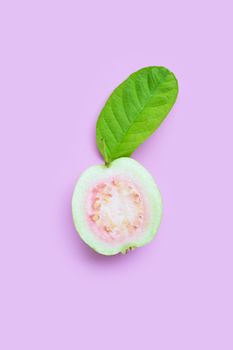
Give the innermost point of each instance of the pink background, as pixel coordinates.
(59, 62)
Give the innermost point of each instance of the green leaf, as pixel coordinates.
(134, 111)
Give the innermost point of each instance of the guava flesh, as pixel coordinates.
(116, 208)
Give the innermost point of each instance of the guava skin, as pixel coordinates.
(116, 208)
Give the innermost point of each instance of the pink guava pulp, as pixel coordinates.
(116, 210)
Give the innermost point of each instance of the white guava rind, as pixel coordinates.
(134, 171)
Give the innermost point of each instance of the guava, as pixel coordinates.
(116, 208)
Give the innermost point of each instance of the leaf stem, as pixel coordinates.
(106, 160)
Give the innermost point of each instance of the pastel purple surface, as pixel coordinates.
(59, 62)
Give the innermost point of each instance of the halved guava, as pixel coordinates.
(116, 208)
